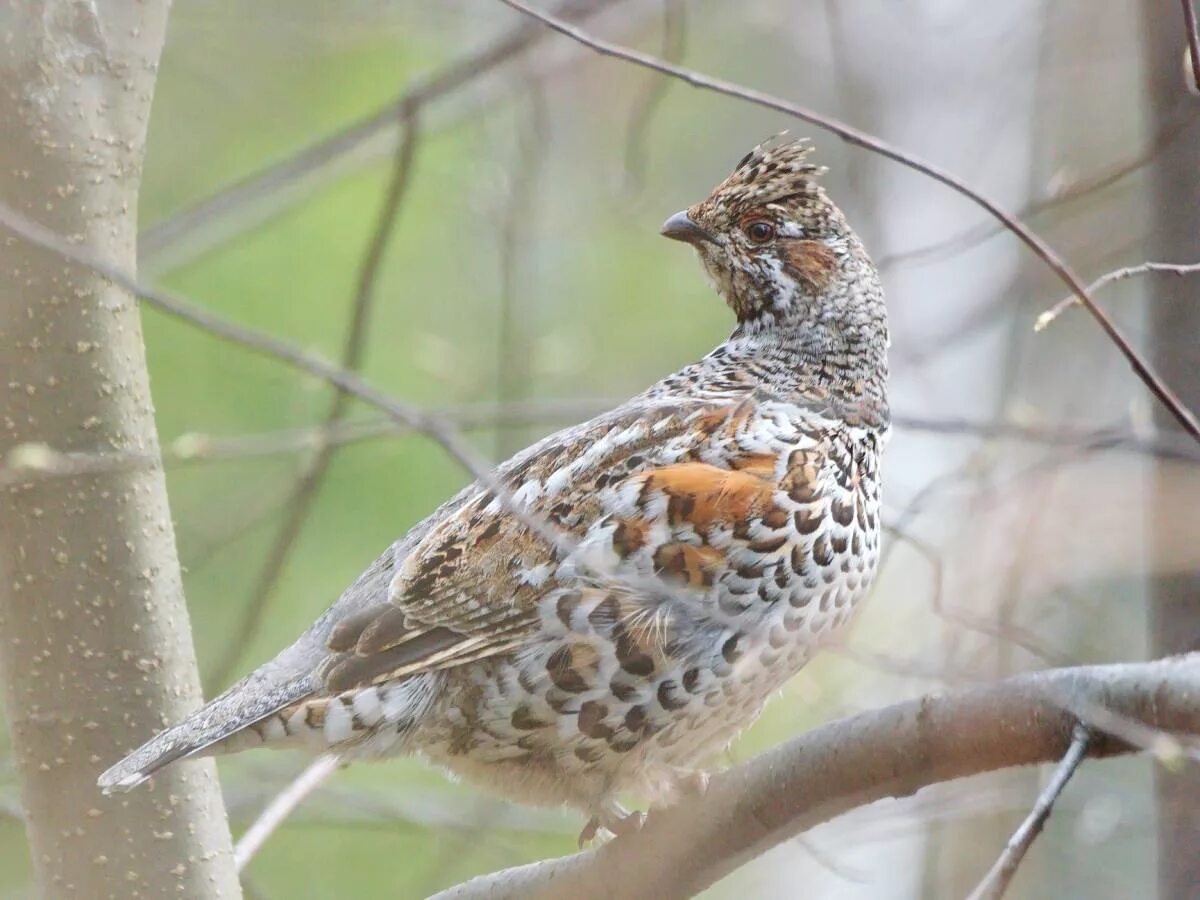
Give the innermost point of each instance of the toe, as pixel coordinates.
(630, 823)
(589, 832)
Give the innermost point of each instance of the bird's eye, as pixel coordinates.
(760, 232)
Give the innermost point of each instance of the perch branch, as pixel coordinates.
(844, 765)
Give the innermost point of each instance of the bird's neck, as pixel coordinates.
(828, 347)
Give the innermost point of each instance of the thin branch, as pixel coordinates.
(196, 447)
(255, 187)
(1179, 269)
(447, 437)
(869, 142)
(847, 764)
(945, 248)
(33, 462)
(300, 502)
(30, 463)
(282, 806)
(450, 439)
(996, 882)
(1159, 445)
(1193, 44)
(199, 551)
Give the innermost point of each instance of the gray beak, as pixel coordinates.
(680, 227)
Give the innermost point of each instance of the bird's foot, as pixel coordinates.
(613, 818)
(691, 782)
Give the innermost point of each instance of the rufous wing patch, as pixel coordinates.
(705, 495)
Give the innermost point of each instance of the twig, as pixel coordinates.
(869, 142)
(230, 534)
(848, 764)
(299, 503)
(402, 413)
(28, 464)
(674, 37)
(996, 882)
(973, 236)
(1103, 281)
(1054, 435)
(195, 447)
(253, 188)
(32, 463)
(450, 439)
(1193, 43)
(281, 806)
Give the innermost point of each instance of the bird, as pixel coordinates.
(612, 606)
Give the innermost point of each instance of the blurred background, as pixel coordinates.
(1042, 515)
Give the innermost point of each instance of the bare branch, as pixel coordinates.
(29, 463)
(281, 806)
(449, 438)
(255, 187)
(1103, 281)
(1040, 248)
(299, 504)
(998, 878)
(193, 447)
(441, 432)
(971, 237)
(853, 762)
(1161, 445)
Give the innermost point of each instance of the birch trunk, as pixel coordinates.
(95, 647)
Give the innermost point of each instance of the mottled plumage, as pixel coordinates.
(716, 529)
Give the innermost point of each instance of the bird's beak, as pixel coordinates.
(680, 227)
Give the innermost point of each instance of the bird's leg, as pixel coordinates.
(614, 818)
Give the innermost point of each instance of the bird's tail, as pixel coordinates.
(247, 702)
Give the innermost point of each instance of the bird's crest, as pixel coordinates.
(773, 171)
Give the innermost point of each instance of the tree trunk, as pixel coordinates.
(1174, 323)
(96, 650)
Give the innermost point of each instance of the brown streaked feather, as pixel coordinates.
(347, 670)
(460, 595)
(811, 263)
(385, 631)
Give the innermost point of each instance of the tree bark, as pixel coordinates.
(95, 647)
(1174, 323)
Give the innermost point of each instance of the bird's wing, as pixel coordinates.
(470, 588)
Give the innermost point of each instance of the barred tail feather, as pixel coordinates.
(243, 705)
